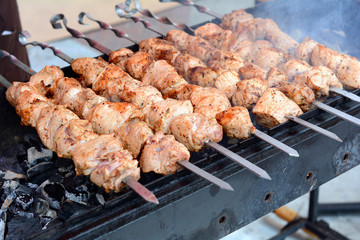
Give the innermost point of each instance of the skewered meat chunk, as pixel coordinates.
(92, 100)
(349, 72)
(323, 56)
(250, 70)
(182, 92)
(162, 113)
(112, 82)
(119, 57)
(15, 90)
(209, 101)
(305, 49)
(193, 130)
(108, 117)
(44, 79)
(133, 135)
(156, 46)
(72, 133)
(202, 76)
(267, 58)
(300, 93)
(214, 34)
(294, 67)
(161, 154)
(272, 108)
(106, 162)
(236, 122)
(137, 64)
(29, 106)
(50, 120)
(319, 79)
(248, 92)
(276, 77)
(90, 68)
(248, 50)
(143, 97)
(226, 82)
(230, 21)
(184, 62)
(223, 61)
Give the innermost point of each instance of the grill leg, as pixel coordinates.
(318, 227)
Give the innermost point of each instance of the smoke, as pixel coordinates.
(334, 23)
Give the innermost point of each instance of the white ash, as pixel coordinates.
(34, 156)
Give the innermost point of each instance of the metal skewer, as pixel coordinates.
(345, 93)
(17, 62)
(198, 7)
(222, 184)
(130, 181)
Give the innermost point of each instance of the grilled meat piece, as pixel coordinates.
(142, 97)
(161, 154)
(71, 134)
(209, 101)
(319, 79)
(218, 37)
(250, 70)
(138, 64)
(305, 49)
(276, 77)
(119, 57)
(300, 93)
(227, 83)
(236, 122)
(182, 92)
(44, 79)
(230, 21)
(223, 61)
(108, 117)
(15, 90)
(272, 107)
(349, 72)
(50, 120)
(193, 130)
(294, 67)
(107, 163)
(133, 135)
(88, 67)
(162, 113)
(248, 92)
(266, 58)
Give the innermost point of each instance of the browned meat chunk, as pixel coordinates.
(138, 64)
(248, 92)
(161, 154)
(276, 77)
(300, 93)
(119, 57)
(305, 49)
(250, 70)
(294, 67)
(193, 130)
(230, 21)
(226, 82)
(89, 68)
(218, 37)
(44, 80)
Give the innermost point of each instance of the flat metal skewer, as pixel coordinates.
(242, 161)
(199, 171)
(314, 127)
(337, 113)
(17, 62)
(130, 181)
(140, 189)
(211, 178)
(345, 93)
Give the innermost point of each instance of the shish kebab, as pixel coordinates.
(168, 81)
(247, 69)
(100, 156)
(239, 112)
(160, 152)
(246, 28)
(207, 52)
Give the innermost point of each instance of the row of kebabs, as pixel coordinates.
(191, 118)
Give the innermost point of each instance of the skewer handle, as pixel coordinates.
(104, 26)
(345, 93)
(56, 25)
(25, 34)
(4, 82)
(198, 7)
(17, 62)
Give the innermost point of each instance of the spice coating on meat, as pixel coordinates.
(236, 122)
(44, 79)
(218, 37)
(107, 117)
(248, 92)
(162, 113)
(209, 101)
(137, 64)
(319, 79)
(250, 70)
(193, 130)
(300, 93)
(230, 21)
(161, 154)
(276, 77)
(305, 49)
(119, 57)
(294, 67)
(272, 108)
(90, 68)
(227, 83)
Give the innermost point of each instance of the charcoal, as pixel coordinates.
(10, 186)
(64, 165)
(9, 175)
(3, 216)
(24, 201)
(10, 163)
(22, 227)
(53, 193)
(56, 178)
(9, 199)
(70, 208)
(80, 194)
(34, 156)
(41, 206)
(40, 172)
(25, 214)
(33, 140)
(23, 189)
(100, 199)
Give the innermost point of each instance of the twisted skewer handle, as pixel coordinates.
(105, 26)
(17, 62)
(55, 22)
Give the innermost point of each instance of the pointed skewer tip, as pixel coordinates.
(294, 154)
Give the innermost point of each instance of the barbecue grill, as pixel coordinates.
(192, 208)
